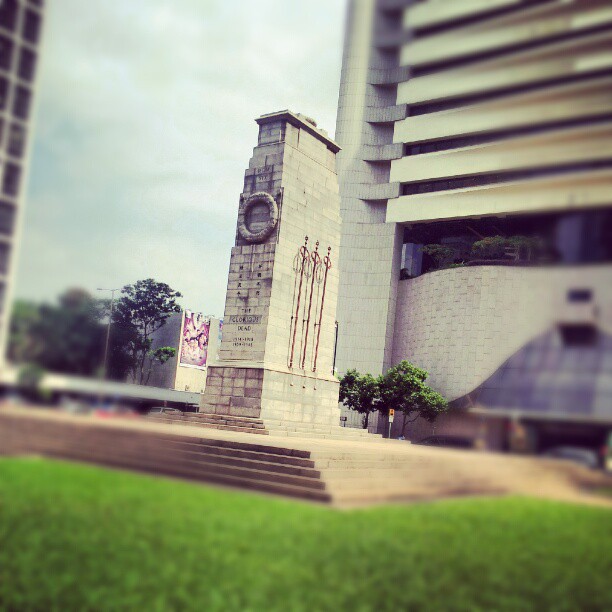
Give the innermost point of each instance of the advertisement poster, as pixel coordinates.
(194, 343)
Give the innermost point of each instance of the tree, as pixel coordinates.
(67, 337)
(359, 393)
(22, 342)
(159, 356)
(441, 255)
(142, 309)
(29, 379)
(490, 248)
(403, 388)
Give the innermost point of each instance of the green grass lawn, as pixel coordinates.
(74, 537)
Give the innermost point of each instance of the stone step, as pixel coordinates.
(125, 453)
(211, 425)
(223, 419)
(256, 455)
(300, 426)
(184, 467)
(201, 417)
(148, 439)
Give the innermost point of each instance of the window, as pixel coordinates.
(10, 179)
(21, 103)
(4, 258)
(7, 218)
(8, 14)
(578, 335)
(3, 92)
(6, 52)
(27, 64)
(579, 295)
(16, 140)
(31, 27)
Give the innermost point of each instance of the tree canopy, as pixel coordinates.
(68, 337)
(142, 309)
(402, 388)
(360, 393)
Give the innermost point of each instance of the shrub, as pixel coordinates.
(440, 254)
(493, 247)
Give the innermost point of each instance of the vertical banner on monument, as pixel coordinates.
(194, 342)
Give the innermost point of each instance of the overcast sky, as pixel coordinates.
(145, 125)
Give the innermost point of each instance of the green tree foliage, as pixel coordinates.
(523, 248)
(158, 357)
(359, 393)
(22, 343)
(441, 255)
(493, 247)
(402, 388)
(29, 379)
(142, 309)
(67, 337)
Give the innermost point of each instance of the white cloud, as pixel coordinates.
(144, 129)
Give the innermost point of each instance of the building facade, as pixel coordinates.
(20, 36)
(476, 184)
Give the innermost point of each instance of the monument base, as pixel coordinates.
(272, 395)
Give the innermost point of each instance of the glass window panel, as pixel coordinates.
(27, 64)
(6, 52)
(4, 86)
(16, 140)
(21, 103)
(10, 179)
(31, 27)
(7, 218)
(4, 258)
(8, 14)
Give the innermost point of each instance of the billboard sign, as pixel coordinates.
(194, 341)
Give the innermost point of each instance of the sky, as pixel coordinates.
(144, 128)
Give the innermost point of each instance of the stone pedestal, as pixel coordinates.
(276, 355)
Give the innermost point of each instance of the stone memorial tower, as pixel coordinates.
(277, 349)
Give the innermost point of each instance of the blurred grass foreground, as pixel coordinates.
(75, 537)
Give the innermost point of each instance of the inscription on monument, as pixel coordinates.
(243, 333)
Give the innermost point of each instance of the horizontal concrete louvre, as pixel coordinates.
(542, 65)
(573, 191)
(545, 149)
(575, 100)
(365, 191)
(388, 76)
(385, 114)
(382, 152)
(534, 25)
(430, 13)
(387, 39)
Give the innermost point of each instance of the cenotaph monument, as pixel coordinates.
(276, 354)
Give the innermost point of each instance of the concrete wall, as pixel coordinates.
(370, 248)
(462, 324)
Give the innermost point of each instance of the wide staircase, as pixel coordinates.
(257, 426)
(343, 472)
(285, 471)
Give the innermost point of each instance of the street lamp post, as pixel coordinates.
(108, 329)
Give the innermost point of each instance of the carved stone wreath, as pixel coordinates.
(261, 197)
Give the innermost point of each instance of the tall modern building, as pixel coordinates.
(20, 34)
(476, 184)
